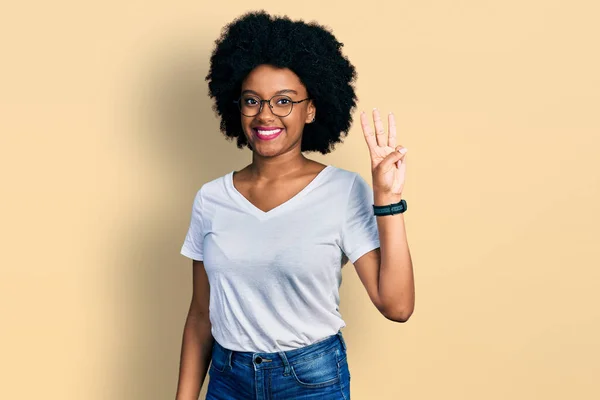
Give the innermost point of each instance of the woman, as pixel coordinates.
(268, 242)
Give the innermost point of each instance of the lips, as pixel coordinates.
(267, 132)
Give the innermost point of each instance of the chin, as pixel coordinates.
(272, 152)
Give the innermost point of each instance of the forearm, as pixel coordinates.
(396, 279)
(196, 350)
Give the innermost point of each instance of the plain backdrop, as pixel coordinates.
(107, 133)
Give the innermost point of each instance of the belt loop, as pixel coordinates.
(287, 369)
(229, 356)
(342, 340)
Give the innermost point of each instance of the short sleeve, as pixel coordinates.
(193, 244)
(359, 231)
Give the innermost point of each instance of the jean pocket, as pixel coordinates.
(318, 371)
(219, 360)
(344, 367)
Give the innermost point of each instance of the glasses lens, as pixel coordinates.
(282, 105)
(249, 105)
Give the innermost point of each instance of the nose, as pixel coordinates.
(265, 113)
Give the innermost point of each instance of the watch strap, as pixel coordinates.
(391, 209)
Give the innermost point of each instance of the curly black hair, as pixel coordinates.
(310, 50)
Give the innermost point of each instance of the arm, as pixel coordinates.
(396, 278)
(196, 348)
(387, 273)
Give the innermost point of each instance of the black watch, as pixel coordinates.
(391, 209)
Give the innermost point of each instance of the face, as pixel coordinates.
(269, 134)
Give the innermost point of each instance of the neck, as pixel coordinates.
(274, 168)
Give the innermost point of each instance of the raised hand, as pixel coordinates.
(388, 161)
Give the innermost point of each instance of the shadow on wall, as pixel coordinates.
(178, 137)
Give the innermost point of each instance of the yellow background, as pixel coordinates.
(107, 133)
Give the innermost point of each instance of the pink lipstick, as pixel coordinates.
(267, 132)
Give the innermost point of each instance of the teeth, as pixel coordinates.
(269, 133)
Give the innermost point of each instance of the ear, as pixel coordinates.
(311, 112)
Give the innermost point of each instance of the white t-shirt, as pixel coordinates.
(275, 276)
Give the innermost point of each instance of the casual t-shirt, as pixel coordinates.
(275, 276)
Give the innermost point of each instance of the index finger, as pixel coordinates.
(368, 131)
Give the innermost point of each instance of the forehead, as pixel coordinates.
(266, 80)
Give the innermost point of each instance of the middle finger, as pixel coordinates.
(382, 138)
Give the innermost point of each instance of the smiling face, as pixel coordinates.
(269, 134)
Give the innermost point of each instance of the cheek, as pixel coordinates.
(295, 124)
(245, 122)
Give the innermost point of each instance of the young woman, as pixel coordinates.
(268, 242)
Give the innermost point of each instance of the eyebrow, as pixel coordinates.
(278, 92)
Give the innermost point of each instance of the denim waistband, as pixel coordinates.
(259, 360)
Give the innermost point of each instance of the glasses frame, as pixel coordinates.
(261, 101)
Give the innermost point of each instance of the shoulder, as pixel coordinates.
(355, 189)
(345, 177)
(213, 187)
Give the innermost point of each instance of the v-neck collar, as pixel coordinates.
(262, 215)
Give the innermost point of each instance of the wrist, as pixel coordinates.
(386, 199)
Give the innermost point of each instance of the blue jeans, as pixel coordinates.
(317, 371)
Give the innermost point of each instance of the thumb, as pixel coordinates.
(394, 157)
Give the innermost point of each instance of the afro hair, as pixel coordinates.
(308, 49)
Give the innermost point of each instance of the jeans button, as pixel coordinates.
(258, 360)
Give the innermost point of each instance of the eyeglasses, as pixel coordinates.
(280, 105)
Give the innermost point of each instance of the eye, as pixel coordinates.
(283, 101)
(250, 101)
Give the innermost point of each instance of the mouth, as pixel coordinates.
(267, 133)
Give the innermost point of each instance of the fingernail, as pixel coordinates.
(402, 150)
